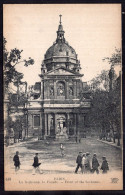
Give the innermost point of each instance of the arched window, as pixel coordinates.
(60, 88)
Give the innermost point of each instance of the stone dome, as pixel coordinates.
(60, 50)
(60, 54)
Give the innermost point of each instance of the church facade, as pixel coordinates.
(61, 107)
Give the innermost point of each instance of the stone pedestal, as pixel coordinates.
(62, 134)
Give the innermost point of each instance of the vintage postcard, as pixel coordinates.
(62, 97)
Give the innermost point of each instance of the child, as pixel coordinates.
(16, 161)
(36, 163)
(79, 161)
(95, 164)
(104, 166)
(62, 149)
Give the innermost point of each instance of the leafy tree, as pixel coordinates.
(115, 59)
(12, 76)
(10, 60)
(101, 82)
(105, 112)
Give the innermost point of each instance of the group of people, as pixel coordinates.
(83, 162)
(35, 164)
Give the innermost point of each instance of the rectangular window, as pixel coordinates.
(36, 120)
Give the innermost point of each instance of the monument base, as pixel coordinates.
(62, 135)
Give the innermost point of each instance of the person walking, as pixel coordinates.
(95, 164)
(83, 163)
(16, 161)
(62, 149)
(79, 161)
(87, 163)
(36, 163)
(104, 165)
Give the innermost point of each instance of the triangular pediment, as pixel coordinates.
(62, 71)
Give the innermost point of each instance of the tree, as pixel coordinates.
(115, 59)
(105, 112)
(100, 82)
(12, 76)
(10, 60)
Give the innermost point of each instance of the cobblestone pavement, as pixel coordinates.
(51, 159)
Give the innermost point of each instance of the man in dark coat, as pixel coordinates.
(36, 163)
(95, 164)
(16, 161)
(104, 166)
(79, 161)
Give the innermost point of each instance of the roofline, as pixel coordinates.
(50, 76)
(78, 74)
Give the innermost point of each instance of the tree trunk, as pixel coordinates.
(113, 132)
(118, 144)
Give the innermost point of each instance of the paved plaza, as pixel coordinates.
(51, 159)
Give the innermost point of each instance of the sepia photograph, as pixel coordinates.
(62, 72)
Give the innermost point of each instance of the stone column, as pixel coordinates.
(49, 119)
(42, 95)
(32, 131)
(47, 89)
(54, 120)
(78, 121)
(83, 120)
(77, 88)
(75, 91)
(67, 89)
(55, 90)
(75, 124)
(68, 123)
(45, 125)
(42, 124)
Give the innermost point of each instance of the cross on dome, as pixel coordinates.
(60, 18)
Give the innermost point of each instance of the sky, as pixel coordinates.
(93, 30)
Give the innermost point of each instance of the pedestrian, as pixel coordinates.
(62, 149)
(104, 165)
(83, 163)
(79, 161)
(36, 163)
(87, 163)
(95, 164)
(16, 161)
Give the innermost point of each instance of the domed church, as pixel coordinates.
(60, 110)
